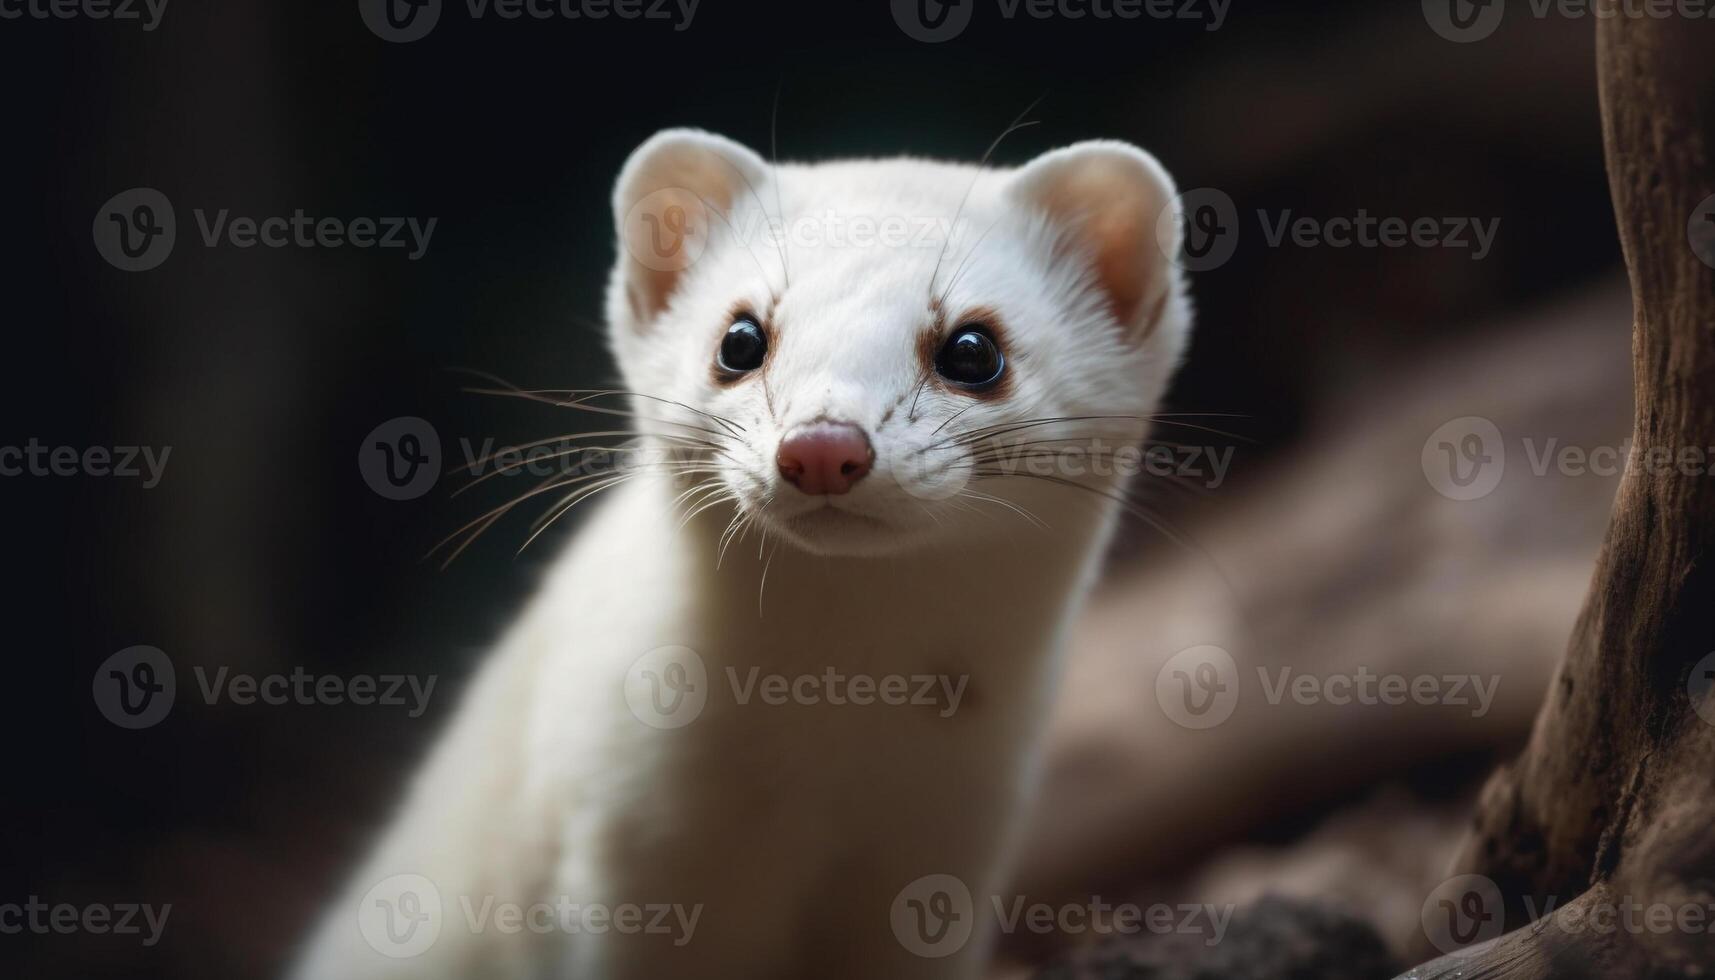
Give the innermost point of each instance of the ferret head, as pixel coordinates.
(855, 352)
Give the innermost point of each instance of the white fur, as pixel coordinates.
(795, 826)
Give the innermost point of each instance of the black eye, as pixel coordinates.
(743, 347)
(970, 358)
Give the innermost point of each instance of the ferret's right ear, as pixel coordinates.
(1108, 198)
(670, 195)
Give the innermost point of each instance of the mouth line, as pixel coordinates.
(828, 513)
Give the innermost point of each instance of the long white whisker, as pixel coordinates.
(1009, 505)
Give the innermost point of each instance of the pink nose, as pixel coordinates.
(824, 457)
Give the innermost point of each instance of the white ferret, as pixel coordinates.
(692, 758)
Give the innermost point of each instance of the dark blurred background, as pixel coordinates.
(263, 549)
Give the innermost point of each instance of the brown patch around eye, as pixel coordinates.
(929, 343)
(982, 318)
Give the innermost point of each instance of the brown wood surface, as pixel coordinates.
(1613, 800)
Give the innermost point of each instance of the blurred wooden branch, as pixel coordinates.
(1613, 800)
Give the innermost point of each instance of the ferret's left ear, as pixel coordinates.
(1107, 198)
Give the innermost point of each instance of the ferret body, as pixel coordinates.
(773, 712)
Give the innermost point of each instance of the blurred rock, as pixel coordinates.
(1343, 558)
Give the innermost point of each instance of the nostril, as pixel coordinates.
(824, 457)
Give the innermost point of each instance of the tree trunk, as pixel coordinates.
(1612, 804)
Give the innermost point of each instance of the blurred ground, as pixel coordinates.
(1356, 803)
